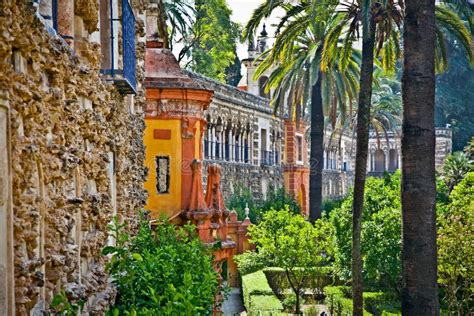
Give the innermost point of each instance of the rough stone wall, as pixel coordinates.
(259, 179)
(65, 122)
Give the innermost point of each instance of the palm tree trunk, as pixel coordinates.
(317, 152)
(363, 115)
(418, 189)
(162, 25)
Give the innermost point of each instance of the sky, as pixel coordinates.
(241, 12)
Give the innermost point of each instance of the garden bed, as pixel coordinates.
(339, 302)
(258, 296)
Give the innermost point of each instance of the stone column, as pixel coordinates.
(242, 147)
(66, 21)
(223, 144)
(46, 11)
(231, 143)
(213, 142)
(209, 142)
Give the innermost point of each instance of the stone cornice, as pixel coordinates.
(233, 94)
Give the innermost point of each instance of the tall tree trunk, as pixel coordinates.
(317, 152)
(296, 291)
(162, 26)
(418, 189)
(363, 115)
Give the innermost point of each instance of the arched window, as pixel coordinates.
(393, 160)
(379, 160)
(262, 82)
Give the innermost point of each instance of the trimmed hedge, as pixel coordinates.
(339, 301)
(258, 296)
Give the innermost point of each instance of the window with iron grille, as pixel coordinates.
(124, 77)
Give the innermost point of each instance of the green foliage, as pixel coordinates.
(215, 39)
(249, 262)
(330, 204)
(287, 241)
(240, 199)
(257, 294)
(315, 279)
(276, 199)
(279, 199)
(454, 95)
(469, 150)
(63, 306)
(455, 248)
(455, 168)
(163, 272)
(233, 72)
(381, 240)
(339, 302)
(381, 233)
(289, 302)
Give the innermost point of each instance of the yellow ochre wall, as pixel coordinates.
(169, 203)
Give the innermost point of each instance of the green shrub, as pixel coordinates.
(277, 199)
(330, 204)
(289, 302)
(241, 198)
(248, 262)
(257, 294)
(312, 311)
(163, 272)
(381, 234)
(290, 242)
(455, 250)
(339, 301)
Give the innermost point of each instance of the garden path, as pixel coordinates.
(233, 305)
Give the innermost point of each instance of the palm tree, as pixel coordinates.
(174, 18)
(418, 189)
(380, 22)
(423, 49)
(298, 79)
(455, 168)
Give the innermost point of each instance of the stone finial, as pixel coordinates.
(264, 31)
(247, 210)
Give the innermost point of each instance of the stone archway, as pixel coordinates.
(379, 160)
(392, 160)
